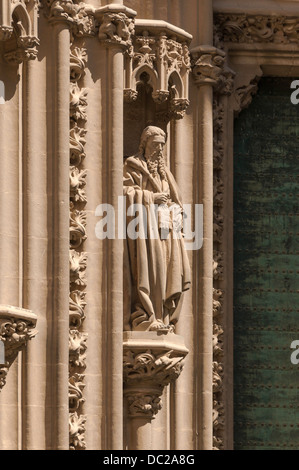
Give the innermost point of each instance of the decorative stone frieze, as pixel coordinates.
(256, 28)
(151, 362)
(17, 327)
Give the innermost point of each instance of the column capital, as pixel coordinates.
(116, 25)
(209, 68)
(79, 17)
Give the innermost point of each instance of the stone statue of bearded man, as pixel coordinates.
(156, 265)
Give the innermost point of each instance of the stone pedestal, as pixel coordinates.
(152, 360)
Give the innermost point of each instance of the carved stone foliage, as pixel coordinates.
(249, 28)
(162, 368)
(78, 15)
(17, 327)
(18, 29)
(244, 94)
(144, 404)
(148, 371)
(116, 28)
(77, 348)
(76, 387)
(218, 271)
(77, 431)
(78, 235)
(160, 58)
(209, 67)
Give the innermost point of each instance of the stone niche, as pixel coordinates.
(157, 67)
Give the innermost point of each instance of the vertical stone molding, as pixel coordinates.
(17, 327)
(18, 29)
(159, 58)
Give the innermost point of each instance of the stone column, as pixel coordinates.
(204, 259)
(60, 234)
(115, 85)
(10, 232)
(36, 248)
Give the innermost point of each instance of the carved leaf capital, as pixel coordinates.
(209, 67)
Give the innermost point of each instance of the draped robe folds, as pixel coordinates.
(156, 271)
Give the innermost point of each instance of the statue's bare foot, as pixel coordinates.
(158, 325)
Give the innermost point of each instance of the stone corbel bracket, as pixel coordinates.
(151, 362)
(209, 68)
(160, 51)
(17, 327)
(18, 29)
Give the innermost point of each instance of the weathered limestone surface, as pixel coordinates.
(79, 82)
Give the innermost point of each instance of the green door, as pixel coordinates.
(266, 320)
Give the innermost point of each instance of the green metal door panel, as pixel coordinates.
(266, 226)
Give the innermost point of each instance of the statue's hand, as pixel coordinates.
(161, 198)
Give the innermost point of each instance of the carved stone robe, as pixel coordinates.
(157, 271)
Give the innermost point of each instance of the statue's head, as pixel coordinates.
(152, 141)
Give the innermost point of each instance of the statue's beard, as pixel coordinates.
(156, 164)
